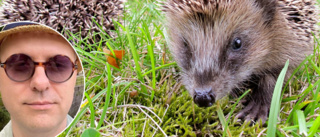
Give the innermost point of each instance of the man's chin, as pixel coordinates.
(45, 123)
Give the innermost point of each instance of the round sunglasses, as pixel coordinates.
(20, 68)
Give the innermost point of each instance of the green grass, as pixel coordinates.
(163, 106)
(275, 103)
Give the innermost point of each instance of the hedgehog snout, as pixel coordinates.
(204, 97)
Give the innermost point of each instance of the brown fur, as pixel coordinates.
(201, 35)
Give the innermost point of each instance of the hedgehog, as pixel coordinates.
(72, 15)
(227, 46)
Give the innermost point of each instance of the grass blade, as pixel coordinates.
(233, 108)
(91, 109)
(315, 127)
(150, 47)
(275, 103)
(107, 100)
(302, 122)
(135, 58)
(150, 52)
(223, 119)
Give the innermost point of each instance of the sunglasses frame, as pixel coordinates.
(43, 64)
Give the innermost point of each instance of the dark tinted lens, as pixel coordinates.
(19, 67)
(59, 68)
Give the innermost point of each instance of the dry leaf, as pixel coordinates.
(114, 60)
(133, 94)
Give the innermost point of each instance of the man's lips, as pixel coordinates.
(40, 105)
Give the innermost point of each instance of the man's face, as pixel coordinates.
(37, 104)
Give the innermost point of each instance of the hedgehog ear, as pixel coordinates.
(269, 9)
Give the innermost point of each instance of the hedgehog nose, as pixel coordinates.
(204, 97)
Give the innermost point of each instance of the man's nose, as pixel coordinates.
(39, 80)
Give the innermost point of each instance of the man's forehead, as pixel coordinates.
(12, 41)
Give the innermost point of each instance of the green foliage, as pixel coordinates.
(275, 103)
(90, 132)
(4, 117)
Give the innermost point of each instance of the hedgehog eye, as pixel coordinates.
(236, 44)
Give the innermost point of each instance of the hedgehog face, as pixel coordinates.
(218, 45)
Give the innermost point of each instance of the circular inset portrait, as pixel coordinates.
(41, 80)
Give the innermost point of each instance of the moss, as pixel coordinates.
(4, 117)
